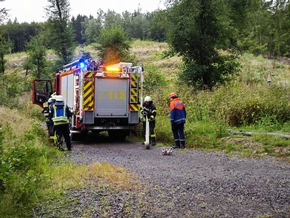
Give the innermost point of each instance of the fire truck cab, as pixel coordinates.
(102, 98)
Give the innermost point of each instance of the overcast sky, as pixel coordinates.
(33, 10)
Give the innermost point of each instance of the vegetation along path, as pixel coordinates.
(189, 183)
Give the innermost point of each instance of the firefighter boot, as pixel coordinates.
(153, 141)
(177, 144)
(182, 144)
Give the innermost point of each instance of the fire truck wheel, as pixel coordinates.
(77, 136)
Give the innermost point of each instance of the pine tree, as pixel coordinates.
(61, 32)
(196, 31)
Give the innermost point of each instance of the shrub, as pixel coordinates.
(154, 80)
(249, 104)
(22, 164)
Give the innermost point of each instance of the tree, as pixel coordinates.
(139, 26)
(5, 47)
(36, 51)
(114, 45)
(92, 27)
(61, 33)
(3, 13)
(156, 30)
(77, 24)
(196, 32)
(253, 35)
(261, 26)
(281, 26)
(112, 19)
(285, 29)
(19, 34)
(91, 31)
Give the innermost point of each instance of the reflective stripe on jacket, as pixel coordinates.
(149, 111)
(59, 115)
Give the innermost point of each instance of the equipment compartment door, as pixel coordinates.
(111, 97)
(67, 89)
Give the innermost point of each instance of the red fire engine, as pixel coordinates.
(102, 98)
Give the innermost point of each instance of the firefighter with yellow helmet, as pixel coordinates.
(148, 110)
(60, 115)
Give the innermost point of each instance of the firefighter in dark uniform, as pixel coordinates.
(60, 115)
(149, 110)
(46, 112)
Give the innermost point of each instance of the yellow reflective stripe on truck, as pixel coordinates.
(134, 89)
(134, 107)
(88, 91)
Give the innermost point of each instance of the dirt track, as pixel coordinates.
(189, 183)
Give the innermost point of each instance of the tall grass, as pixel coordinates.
(32, 171)
(247, 101)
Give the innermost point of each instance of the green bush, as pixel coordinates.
(21, 171)
(12, 86)
(154, 80)
(242, 104)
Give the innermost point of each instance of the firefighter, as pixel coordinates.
(148, 109)
(46, 112)
(177, 120)
(60, 115)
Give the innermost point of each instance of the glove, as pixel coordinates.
(152, 118)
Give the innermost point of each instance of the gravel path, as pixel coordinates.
(189, 183)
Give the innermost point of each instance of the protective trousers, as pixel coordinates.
(63, 130)
(178, 135)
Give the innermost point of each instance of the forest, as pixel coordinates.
(257, 26)
(196, 30)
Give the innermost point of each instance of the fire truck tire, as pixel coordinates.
(77, 136)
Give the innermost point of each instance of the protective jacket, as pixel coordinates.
(149, 111)
(177, 112)
(60, 113)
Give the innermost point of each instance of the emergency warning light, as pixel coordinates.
(82, 63)
(113, 69)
